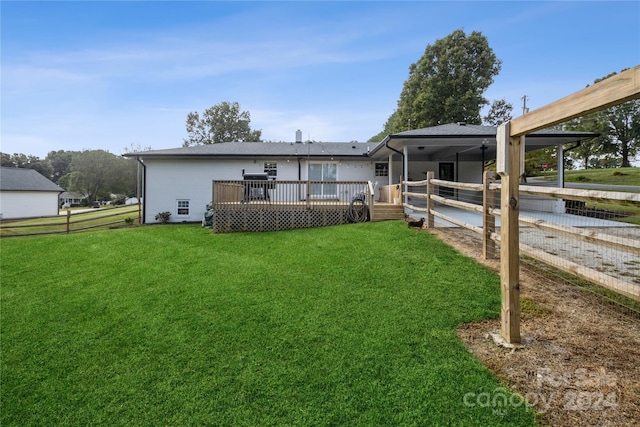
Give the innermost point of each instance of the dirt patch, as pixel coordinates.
(580, 362)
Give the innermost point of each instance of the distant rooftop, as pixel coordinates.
(19, 179)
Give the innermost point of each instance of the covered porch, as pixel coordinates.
(459, 152)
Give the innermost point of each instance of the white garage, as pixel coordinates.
(24, 193)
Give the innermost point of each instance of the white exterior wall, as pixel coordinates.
(25, 204)
(170, 180)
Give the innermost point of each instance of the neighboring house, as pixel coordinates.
(68, 199)
(180, 180)
(25, 193)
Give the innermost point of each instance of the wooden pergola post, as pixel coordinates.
(508, 166)
(430, 218)
(488, 220)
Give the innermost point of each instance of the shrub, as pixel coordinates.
(582, 178)
(163, 217)
(128, 220)
(618, 173)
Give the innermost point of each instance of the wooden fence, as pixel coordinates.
(70, 222)
(490, 189)
(510, 138)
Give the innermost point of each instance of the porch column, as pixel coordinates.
(559, 204)
(390, 177)
(560, 151)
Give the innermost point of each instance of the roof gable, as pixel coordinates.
(20, 179)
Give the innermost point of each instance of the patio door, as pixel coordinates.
(323, 172)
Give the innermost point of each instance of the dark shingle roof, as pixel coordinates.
(267, 149)
(18, 179)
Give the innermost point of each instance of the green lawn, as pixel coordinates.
(172, 325)
(616, 176)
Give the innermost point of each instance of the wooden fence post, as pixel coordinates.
(68, 220)
(430, 218)
(508, 166)
(488, 220)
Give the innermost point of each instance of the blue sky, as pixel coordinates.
(106, 75)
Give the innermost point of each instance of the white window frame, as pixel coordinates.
(182, 204)
(271, 169)
(379, 172)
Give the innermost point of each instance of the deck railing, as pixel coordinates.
(259, 205)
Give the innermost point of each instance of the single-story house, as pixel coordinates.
(25, 193)
(68, 199)
(179, 180)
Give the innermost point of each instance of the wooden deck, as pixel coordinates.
(279, 205)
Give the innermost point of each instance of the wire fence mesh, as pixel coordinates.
(591, 244)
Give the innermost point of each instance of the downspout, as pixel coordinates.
(386, 144)
(144, 189)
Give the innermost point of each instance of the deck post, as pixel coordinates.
(430, 218)
(488, 220)
(372, 201)
(508, 166)
(68, 220)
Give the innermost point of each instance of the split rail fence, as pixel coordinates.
(623, 241)
(70, 222)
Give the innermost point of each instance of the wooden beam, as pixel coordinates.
(615, 90)
(509, 169)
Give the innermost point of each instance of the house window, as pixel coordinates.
(183, 207)
(382, 169)
(271, 169)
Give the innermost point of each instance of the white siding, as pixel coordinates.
(24, 204)
(168, 181)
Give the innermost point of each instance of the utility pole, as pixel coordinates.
(525, 110)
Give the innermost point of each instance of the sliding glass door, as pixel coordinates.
(323, 172)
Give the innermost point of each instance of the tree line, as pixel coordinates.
(96, 174)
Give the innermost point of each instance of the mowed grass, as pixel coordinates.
(173, 325)
(613, 176)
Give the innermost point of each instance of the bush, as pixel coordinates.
(128, 220)
(163, 217)
(582, 178)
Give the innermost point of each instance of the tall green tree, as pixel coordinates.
(499, 112)
(223, 122)
(619, 140)
(622, 125)
(60, 161)
(448, 82)
(97, 174)
(590, 151)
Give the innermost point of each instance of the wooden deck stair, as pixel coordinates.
(387, 211)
